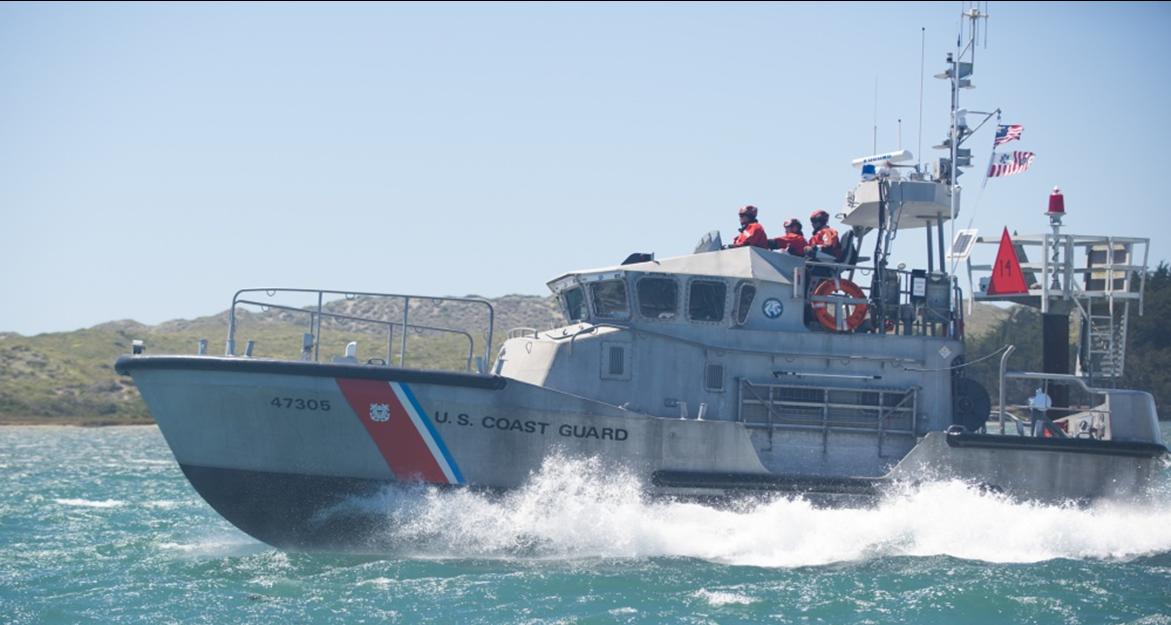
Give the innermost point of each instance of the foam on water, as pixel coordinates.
(575, 508)
(86, 503)
(162, 504)
(720, 598)
(214, 545)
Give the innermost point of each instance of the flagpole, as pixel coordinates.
(992, 156)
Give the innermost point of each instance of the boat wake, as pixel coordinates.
(580, 509)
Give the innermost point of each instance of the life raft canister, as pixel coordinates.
(822, 309)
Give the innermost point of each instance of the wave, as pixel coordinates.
(163, 504)
(574, 508)
(218, 545)
(718, 598)
(88, 503)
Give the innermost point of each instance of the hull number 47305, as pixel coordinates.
(298, 403)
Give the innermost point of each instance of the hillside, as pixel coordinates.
(984, 319)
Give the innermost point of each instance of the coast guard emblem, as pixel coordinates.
(379, 412)
(772, 308)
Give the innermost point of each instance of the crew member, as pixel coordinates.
(751, 232)
(793, 240)
(824, 239)
(1039, 405)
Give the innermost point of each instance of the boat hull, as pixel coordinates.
(293, 511)
(283, 450)
(1042, 469)
(276, 447)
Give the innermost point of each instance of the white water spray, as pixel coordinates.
(576, 509)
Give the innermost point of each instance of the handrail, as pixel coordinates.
(866, 412)
(1059, 377)
(902, 297)
(389, 324)
(1051, 377)
(768, 406)
(319, 312)
(1003, 360)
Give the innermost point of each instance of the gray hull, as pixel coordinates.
(278, 448)
(275, 447)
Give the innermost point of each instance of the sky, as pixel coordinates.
(155, 158)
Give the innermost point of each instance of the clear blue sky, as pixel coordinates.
(154, 158)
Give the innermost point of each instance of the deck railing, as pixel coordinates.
(1095, 413)
(829, 408)
(311, 348)
(908, 302)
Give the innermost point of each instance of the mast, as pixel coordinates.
(959, 72)
(961, 79)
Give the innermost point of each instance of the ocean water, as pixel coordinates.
(99, 526)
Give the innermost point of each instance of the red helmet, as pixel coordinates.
(793, 223)
(819, 215)
(748, 210)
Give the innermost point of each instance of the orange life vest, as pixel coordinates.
(827, 239)
(751, 234)
(791, 241)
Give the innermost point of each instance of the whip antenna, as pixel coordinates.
(875, 148)
(922, 57)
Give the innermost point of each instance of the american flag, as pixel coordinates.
(1009, 164)
(1004, 134)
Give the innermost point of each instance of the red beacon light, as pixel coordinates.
(1056, 203)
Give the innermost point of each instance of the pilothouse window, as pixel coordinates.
(658, 298)
(706, 301)
(744, 302)
(574, 298)
(610, 299)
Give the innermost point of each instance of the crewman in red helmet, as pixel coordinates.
(751, 232)
(824, 239)
(793, 240)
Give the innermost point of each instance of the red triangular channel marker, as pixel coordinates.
(1007, 278)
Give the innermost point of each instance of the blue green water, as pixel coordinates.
(99, 526)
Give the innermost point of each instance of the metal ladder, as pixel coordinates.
(1105, 339)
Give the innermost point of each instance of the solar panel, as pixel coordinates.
(961, 247)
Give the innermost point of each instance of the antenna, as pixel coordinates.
(875, 114)
(922, 57)
(900, 133)
(985, 25)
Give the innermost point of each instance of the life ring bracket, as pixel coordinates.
(823, 298)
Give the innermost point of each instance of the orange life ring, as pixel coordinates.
(822, 309)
